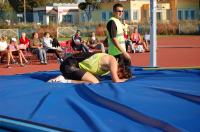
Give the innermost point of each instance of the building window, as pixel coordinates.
(126, 17)
(159, 16)
(68, 18)
(135, 15)
(40, 15)
(180, 15)
(52, 19)
(83, 17)
(103, 16)
(192, 15)
(168, 14)
(186, 15)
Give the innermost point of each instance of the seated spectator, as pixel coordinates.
(48, 46)
(23, 41)
(136, 39)
(14, 49)
(37, 48)
(3, 48)
(94, 43)
(78, 44)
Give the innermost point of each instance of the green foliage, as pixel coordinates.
(6, 11)
(82, 6)
(89, 6)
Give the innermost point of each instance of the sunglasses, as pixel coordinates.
(119, 11)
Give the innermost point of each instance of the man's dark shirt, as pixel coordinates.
(112, 29)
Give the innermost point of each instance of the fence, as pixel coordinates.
(9, 33)
(189, 28)
(65, 31)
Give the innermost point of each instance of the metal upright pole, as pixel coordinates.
(153, 33)
(24, 11)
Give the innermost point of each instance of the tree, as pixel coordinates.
(89, 6)
(6, 10)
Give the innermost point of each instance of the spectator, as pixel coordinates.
(14, 49)
(94, 43)
(78, 44)
(48, 45)
(125, 27)
(136, 39)
(116, 41)
(127, 40)
(37, 47)
(23, 41)
(3, 48)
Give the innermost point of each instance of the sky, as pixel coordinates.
(81, 0)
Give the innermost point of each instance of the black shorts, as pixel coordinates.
(71, 70)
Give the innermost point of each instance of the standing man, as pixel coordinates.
(116, 41)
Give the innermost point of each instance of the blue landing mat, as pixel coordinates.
(155, 100)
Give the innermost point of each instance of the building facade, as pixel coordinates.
(139, 10)
(134, 11)
(56, 13)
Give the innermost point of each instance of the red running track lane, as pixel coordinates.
(173, 51)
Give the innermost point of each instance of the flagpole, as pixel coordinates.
(24, 11)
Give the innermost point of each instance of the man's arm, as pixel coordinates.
(116, 42)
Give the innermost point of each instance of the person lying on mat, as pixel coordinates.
(87, 67)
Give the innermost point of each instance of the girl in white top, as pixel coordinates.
(3, 44)
(48, 46)
(3, 48)
(47, 41)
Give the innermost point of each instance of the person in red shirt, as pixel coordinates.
(23, 41)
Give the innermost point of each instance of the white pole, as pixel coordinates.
(153, 41)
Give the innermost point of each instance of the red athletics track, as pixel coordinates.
(173, 51)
